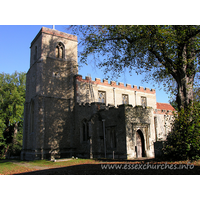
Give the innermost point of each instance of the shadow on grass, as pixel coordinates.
(118, 169)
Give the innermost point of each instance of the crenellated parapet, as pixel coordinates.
(114, 84)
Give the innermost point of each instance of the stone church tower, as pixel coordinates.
(48, 119)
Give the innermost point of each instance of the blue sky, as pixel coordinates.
(15, 56)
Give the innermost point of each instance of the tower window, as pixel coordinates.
(60, 50)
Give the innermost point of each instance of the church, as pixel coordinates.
(67, 115)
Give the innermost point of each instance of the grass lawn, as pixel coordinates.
(16, 166)
(98, 167)
(11, 168)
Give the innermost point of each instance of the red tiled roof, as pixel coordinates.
(164, 106)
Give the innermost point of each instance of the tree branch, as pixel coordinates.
(192, 34)
(165, 62)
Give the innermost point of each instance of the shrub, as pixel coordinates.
(183, 142)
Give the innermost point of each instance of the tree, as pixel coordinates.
(183, 142)
(12, 98)
(167, 53)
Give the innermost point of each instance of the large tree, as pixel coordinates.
(12, 98)
(168, 53)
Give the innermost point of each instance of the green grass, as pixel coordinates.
(8, 167)
(47, 163)
(11, 168)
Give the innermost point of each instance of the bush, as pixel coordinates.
(183, 142)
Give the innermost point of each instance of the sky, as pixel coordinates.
(15, 40)
(15, 43)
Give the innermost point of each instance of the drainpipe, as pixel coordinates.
(104, 135)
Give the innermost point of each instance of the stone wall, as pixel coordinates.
(99, 116)
(164, 121)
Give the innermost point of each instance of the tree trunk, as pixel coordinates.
(185, 92)
(185, 76)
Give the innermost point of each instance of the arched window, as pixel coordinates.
(60, 50)
(85, 130)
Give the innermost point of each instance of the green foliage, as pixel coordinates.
(183, 142)
(167, 54)
(12, 98)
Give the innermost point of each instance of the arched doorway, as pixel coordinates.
(140, 149)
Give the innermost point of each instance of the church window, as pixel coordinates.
(59, 50)
(111, 137)
(143, 102)
(102, 96)
(85, 130)
(124, 99)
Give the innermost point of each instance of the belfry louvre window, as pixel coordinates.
(60, 50)
(143, 102)
(102, 96)
(124, 99)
